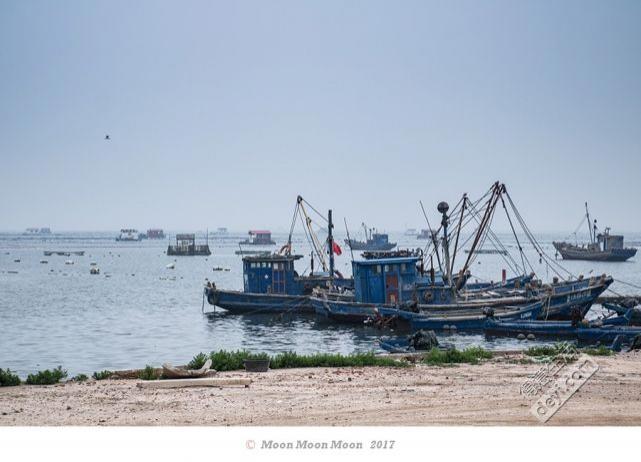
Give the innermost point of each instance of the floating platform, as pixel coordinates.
(186, 246)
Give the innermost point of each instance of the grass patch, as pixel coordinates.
(549, 350)
(8, 378)
(80, 378)
(601, 350)
(224, 360)
(291, 360)
(148, 373)
(233, 360)
(472, 355)
(47, 377)
(197, 361)
(102, 375)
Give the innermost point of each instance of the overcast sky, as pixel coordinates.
(220, 113)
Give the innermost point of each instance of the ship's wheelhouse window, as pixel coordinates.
(376, 269)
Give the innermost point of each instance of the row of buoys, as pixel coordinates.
(524, 337)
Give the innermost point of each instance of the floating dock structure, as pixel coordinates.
(186, 246)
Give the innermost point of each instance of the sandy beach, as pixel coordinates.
(484, 394)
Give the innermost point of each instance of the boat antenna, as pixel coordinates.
(351, 251)
(433, 235)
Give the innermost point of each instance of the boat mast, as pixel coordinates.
(587, 214)
(330, 244)
(443, 207)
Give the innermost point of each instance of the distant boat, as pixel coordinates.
(373, 241)
(424, 234)
(37, 231)
(411, 232)
(155, 233)
(220, 232)
(602, 246)
(128, 235)
(258, 237)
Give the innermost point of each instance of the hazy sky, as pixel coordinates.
(220, 113)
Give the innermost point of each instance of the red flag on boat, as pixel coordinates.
(336, 248)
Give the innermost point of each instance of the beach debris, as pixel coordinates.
(201, 382)
(94, 270)
(17, 260)
(220, 268)
(68, 262)
(423, 340)
(171, 265)
(256, 365)
(182, 372)
(43, 262)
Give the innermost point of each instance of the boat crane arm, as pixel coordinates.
(309, 231)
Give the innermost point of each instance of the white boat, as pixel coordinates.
(128, 235)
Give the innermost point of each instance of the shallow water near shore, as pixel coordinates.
(138, 312)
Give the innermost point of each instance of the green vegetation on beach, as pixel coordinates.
(8, 378)
(233, 360)
(472, 355)
(102, 375)
(549, 350)
(148, 373)
(47, 377)
(601, 350)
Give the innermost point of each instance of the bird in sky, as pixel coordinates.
(107, 137)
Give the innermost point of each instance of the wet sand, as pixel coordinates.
(485, 394)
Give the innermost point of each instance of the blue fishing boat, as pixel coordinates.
(635, 316)
(271, 283)
(391, 287)
(374, 241)
(604, 330)
(470, 320)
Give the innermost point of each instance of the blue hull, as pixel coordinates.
(589, 335)
(470, 322)
(578, 295)
(240, 302)
(351, 312)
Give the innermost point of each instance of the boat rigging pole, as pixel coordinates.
(429, 228)
(330, 244)
(587, 214)
(487, 216)
(458, 231)
(443, 207)
(351, 251)
(315, 243)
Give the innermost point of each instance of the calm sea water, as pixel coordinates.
(137, 311)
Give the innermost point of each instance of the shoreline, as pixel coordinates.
(463, 394)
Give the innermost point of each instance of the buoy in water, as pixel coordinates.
(531, 337)
(521, 336)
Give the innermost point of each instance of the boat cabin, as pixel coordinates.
(270, 274)
(610, 241)
(385, 280)
(259, 237)
(379, 238)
